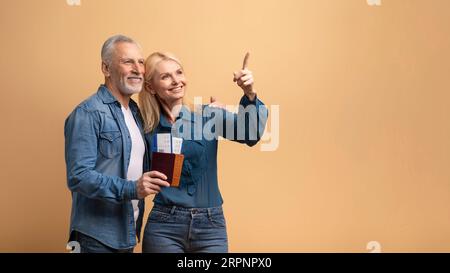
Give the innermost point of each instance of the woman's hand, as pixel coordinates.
(244, 78)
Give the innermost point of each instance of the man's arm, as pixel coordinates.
(81, 132)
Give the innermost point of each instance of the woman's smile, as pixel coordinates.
(176, 89)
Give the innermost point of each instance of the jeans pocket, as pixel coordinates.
(158, 216)
(217, 220)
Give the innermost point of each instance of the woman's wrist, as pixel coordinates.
(251, 97)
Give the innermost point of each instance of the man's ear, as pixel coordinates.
(105, 69)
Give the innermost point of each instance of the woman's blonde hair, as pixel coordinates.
(148, 103)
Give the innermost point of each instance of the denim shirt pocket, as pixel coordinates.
(194, 164)
(194, 153)
(110, 143)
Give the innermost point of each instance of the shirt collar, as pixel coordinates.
(107, 97)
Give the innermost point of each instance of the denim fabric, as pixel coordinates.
(97, 153)
(199, 184)
(185, 230)
(91, 245)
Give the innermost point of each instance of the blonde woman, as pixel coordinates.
(189, 218)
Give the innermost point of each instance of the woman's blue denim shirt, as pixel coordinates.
(198, 184)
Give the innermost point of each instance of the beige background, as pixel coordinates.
(364, 98)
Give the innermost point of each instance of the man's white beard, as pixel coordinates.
(130, 89)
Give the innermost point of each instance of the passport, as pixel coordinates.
(170, 165)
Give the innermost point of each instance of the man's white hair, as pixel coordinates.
(109, 46)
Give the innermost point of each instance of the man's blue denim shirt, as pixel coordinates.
(97, 153)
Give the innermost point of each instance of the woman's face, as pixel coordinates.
(168, 82)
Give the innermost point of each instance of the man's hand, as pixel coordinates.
(216, 104)
(151, 183)
(244, 79)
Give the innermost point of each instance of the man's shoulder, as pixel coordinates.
(93, 103)
(92, 106)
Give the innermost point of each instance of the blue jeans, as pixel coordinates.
(182, 230)
(91, 245)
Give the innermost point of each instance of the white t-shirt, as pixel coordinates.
(135, 168)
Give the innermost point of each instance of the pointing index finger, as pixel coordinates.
(244, 65)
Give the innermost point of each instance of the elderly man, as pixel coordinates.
(106, 156)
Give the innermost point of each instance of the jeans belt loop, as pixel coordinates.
(173, 209)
